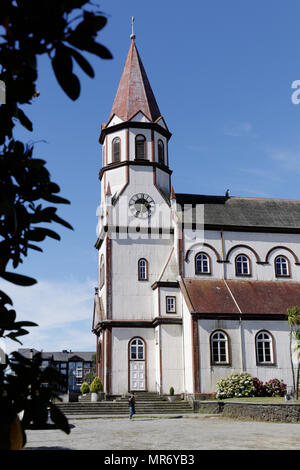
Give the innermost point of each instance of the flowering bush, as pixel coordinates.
(275, 388)
(235, 386)
(244, 385)
(258, 387)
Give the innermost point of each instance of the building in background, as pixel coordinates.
(75, 365)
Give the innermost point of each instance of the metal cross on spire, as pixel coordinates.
(132, 36)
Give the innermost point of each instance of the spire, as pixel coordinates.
(172, 194)
(108, 190)
(134, 92)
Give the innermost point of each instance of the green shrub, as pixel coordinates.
(171, 391)
(96, 385)
(84, 388)
(235, 386)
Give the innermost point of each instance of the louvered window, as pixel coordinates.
(140, 147)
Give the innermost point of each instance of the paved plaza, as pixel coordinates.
(193, 432)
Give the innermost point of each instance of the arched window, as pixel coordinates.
(219, 348)
(116, 150)
(137, 349)
(202, 264)
(161, 151)
(242, 265)
(264, 348)
(102, 272)
(140, 147)
(143, 270)
(281, 266)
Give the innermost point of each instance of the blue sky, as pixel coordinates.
(222, 74)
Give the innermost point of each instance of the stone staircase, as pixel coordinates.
(147, 403)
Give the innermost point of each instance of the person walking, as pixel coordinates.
(131, 404)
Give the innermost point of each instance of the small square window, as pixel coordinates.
(171, 304)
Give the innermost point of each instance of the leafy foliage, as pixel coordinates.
(96, 385)
(61, 29)
(91, 374)
(85, 388)
(30, 388)
(293, 318)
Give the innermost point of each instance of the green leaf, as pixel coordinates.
(20, 358)
(19, 324)
(57, 219)
(18, 279)
(97, 49)
(4, 298)
(56, 199)
(34, 247)
(38, 234)
(83, 63)
(24, 120)
(12, 336)
(59, 419)
(62, 66)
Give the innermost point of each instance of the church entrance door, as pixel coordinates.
(137, 367)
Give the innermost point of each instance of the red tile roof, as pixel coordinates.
(134, 92)
(252, 297)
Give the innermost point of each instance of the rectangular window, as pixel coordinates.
(171, 304)
(133, 352)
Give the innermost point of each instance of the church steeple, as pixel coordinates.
(134, 92)
(135, 137)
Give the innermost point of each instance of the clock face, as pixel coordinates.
(141, 205)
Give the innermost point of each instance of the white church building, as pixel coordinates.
(191, 287)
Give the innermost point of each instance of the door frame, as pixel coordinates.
(137, 360)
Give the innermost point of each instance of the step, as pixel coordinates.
(121, 405)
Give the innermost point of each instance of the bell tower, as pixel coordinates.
(135, 137)
(135, 234)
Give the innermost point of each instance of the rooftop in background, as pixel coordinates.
(247, 212)
(59, 356)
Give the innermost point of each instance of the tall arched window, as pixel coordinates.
(281, 266)
(264, 348)
(219, 348)
(242, 265)
(102, 272)
(137, 349)
(202, 264)
(143, 270)
(140, 147)
(116, 150)
(161, 151)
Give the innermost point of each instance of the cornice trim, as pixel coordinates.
(165, 284)
(135, 125)
(147, 163)
(136, 323)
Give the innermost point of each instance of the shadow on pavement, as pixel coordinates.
(47, 448)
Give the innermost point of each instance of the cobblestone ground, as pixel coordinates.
(198, 432)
